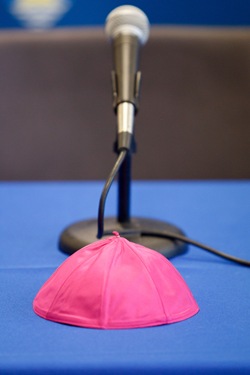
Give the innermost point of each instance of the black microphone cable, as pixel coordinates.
(163, 234)
(179, 237)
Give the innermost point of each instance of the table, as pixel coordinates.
(215, 341)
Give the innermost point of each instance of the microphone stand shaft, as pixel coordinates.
(124, 187)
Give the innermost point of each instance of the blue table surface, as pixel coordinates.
(216, 340)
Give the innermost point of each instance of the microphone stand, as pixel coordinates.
(84, 232)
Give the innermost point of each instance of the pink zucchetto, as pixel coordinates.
(112, 284)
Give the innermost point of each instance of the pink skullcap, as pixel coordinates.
(114, 283)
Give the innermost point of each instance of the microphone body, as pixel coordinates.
(125, 86)
(126, 77)
(128, 29)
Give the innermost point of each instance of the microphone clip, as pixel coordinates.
(133, 99)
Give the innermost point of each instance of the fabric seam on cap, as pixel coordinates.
(141, 260)
(181, 278)
(51, 305)
(104, 288)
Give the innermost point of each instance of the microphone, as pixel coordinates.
(128, 29)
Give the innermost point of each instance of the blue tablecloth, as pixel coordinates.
(216, 340)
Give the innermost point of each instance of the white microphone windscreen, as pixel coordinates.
(128, 19)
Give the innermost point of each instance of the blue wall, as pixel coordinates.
(178, 12)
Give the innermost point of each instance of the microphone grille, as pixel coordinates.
(128, 19)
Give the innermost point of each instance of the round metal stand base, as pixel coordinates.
(83, 233)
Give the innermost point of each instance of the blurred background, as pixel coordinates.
(56, 118)
(67, 13)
